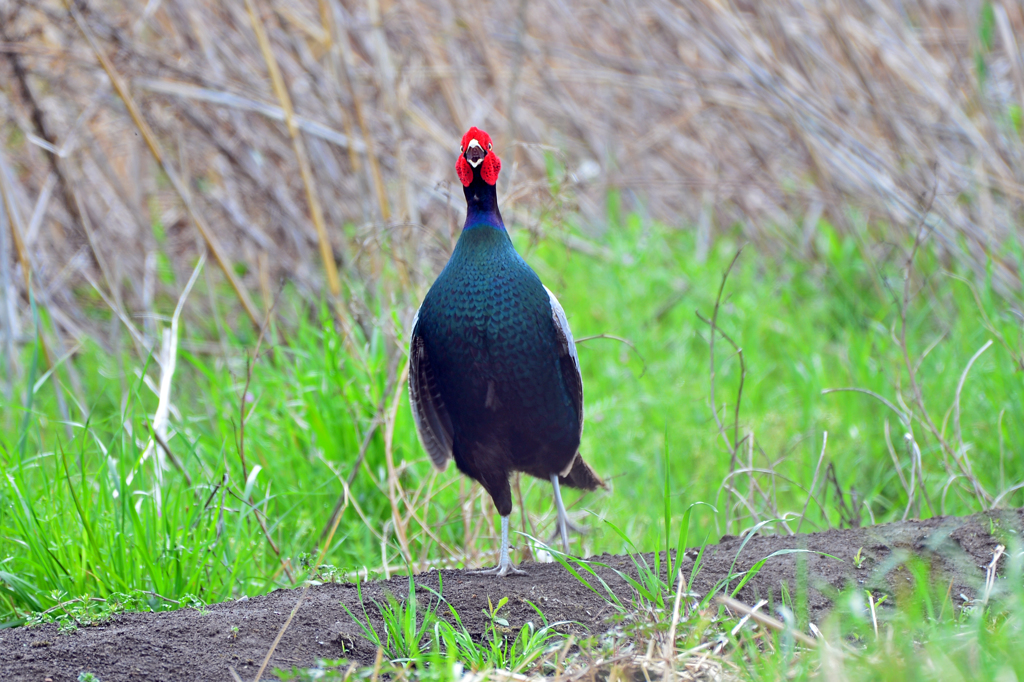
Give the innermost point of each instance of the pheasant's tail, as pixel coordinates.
(581, 476)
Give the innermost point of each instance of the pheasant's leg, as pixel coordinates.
(563, 518)
(504, 566)
(572, 528)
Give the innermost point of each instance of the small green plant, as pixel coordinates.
(87, 677)
(653, 588)
(324, 573)
(500, 649)
(404, 625)
(491, 613)
(69, 614)
(191, 601)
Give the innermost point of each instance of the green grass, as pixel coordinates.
(84, 516)
(922, 637)
(405, 625)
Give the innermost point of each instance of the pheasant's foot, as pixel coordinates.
(564, 524)
(501, 570)
(504, 566)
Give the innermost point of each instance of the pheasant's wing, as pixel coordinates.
(569, 361)
(433, 423)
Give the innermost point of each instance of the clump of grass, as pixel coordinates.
(500, 648)
(405, 625)
(71, 614)
(411, 634)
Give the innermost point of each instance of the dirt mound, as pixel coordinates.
(189, 645)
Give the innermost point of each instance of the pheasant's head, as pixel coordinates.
(476, 156)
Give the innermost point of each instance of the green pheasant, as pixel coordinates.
(494, 379)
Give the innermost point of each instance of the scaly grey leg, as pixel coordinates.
(563, 518)
(504, 566)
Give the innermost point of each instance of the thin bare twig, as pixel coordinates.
(731, 447)
(169, 454)
(896, 464)
(904, 417)
(743, 376)
(814, 481)
(395, 491)
(629, 343)
(765, 620)
(298, 603)
(961, 449)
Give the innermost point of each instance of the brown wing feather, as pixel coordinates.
(569, 361)
(433, 423)
(578, 474)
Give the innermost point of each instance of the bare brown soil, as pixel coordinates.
(188, 645)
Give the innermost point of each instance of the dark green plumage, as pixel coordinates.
(490, 336)
(494, 376)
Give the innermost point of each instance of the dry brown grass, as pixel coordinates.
(704, 114)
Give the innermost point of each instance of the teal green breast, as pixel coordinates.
(487, 326)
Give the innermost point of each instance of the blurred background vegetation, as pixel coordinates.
(218, 220)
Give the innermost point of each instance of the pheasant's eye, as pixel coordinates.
(489, 145)
(461, 149)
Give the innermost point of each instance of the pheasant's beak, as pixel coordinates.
(475, 153)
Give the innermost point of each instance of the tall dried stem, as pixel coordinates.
(312, 196)
(157, 151)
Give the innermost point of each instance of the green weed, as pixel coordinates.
(501, 648)
(405, 625)
(71, 613)
(264, 448)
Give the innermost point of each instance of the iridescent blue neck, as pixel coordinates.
(482, 204)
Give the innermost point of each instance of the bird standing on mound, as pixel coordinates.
(494, 380)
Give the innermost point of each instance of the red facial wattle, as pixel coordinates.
(490, 168)
(490, 164)
(464, 170)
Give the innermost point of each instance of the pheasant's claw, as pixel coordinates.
(504, 566)
(501, 570)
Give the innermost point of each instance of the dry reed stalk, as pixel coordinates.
(90, 234)
(14, 221)
(814, 480)
(765, 620)
(387, 86)
(1013, 54)
(348, 61)
(161, 418)
(345, 497)
(421, 521)
(961, 450)
(334, 72)
(155, 148)
(8, 318)
(395, 492)
(899, 469)
(302, 597)
(312, 196)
